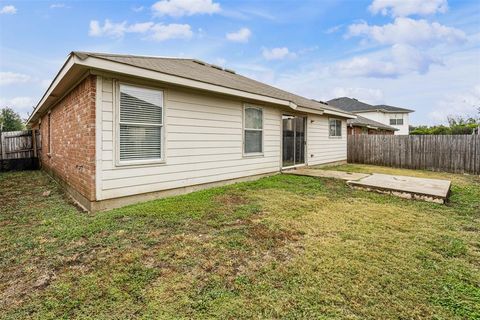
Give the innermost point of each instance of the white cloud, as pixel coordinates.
(179, 8)
(109, 29)
(334, 29)
(171, 31)
(241, 35)
(8, 10)
(277, 53)
(397, 61)
(58, 6)
(7, 78)
(463, 104)
(22, 105)
(408, 31)
(140, 27)
(154, 31)
(368, 95)
(138, 9)
(401, 8)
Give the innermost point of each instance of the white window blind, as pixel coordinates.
(253, 127)
(141, 123)
(335, 128)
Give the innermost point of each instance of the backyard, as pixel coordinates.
(281, 247)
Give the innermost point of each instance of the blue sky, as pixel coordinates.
(419, 54)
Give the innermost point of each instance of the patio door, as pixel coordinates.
(293, 140)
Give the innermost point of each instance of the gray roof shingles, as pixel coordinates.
(204, 72)
(364, 122)
(353, 105)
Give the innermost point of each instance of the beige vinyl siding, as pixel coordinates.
(324, 148)
(203, 143)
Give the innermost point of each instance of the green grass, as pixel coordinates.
(284, 247)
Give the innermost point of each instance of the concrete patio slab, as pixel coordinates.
(432, 190)
(347, 176)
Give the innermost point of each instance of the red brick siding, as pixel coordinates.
(72, 156)
(359, 130)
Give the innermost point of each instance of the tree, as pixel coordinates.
(10, 120)
(456, 125)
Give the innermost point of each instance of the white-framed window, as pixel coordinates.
(396, 119)
(335, 127)
(252, 130)
(140, 124)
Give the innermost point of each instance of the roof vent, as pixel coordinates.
(230, 70)
(216, 67)
(199, 62)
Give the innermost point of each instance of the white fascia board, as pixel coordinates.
(65, 68)
(340, 114)
(308, 110)
(96, 63)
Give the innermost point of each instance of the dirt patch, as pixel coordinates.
(231, 199)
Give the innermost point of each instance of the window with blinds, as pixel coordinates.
(141, 124)
(335, 128)
(253, 130)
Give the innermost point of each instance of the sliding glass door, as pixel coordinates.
(293, 141)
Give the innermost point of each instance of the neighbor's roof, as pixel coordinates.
(353, 105)
(364, 122)
(208, 73)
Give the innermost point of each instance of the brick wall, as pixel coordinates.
(359, 130)
(72, 140)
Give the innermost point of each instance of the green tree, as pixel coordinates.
(10, 120)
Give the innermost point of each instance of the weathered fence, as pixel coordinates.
(19, 150)
(449, 153)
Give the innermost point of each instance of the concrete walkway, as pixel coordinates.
(347, 176)
(432, 190)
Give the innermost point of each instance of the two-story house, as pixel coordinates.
(395, 117)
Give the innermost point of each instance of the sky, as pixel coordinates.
(417, 54)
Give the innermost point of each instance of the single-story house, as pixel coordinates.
(388, 115)
(119, 129)
(362, 125)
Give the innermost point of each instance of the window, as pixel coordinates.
(396, 120)
(335, 128)
(140, 124)
(253, 130)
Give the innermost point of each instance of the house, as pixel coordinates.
(388, 115)
(119, 129)
(362, 125)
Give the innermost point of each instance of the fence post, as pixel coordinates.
(34, 143)
(2, 144)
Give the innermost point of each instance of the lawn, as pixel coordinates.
(285, 247)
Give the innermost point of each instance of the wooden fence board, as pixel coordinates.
(19, 150)
(449, 153)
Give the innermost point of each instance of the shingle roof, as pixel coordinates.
(353, 105)
(204, 72)
(364, 122)
(392, 108)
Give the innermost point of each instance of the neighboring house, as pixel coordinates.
(118, 129)
(362, 125)
(388, 115)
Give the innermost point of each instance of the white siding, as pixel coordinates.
(203, 141)
(384, 118)
(321, 148)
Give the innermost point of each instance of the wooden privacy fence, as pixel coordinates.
(449, 153)
(19, 150)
